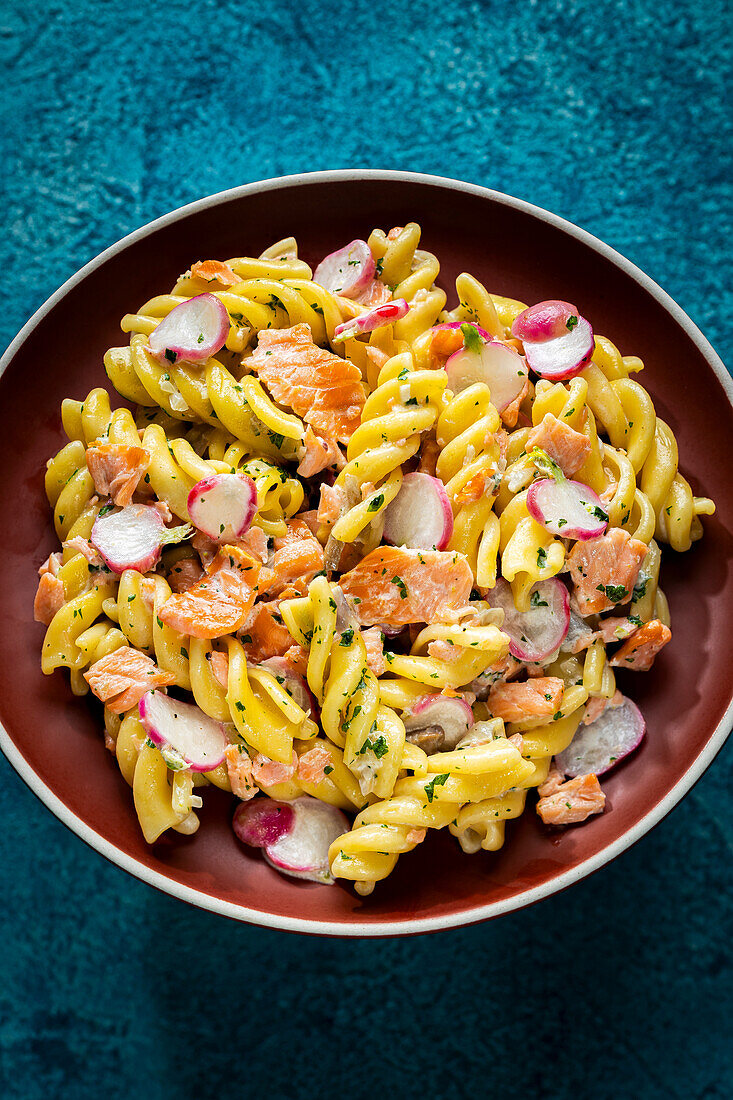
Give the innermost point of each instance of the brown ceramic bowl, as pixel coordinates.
(54, 741)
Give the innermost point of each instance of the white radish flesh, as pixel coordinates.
(198, 739)
(558, 342)
(420, 516)
(223, 506)
(501, 368)
(192, 332)
(568, 509)
(537, 633)
(133, 537)
(372, 319)
(295, 835)
(453, 716)
(598, 747)
(347, 271)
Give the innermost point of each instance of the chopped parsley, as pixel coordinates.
(170, 355)
(535, 600)
(401, 585)
(571, 322)
(375, 503)
(104, 509)
(640, 590)
(616, 593)
(436, 781)
(378, 746)
(347, 636)
(541, 558)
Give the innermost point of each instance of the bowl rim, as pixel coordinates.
(416, 925)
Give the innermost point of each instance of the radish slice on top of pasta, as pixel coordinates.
(537, 633)
(567, 509)
(558, 342)
(295, 836)
(223, 505)
(451, 716)
(133, 537)
(347, 271)
(599, 746)
(480, 360)
(187, 737)
(420, 516)
(372, 319)
(193, 331)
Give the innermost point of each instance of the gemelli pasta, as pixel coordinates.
(368, 563)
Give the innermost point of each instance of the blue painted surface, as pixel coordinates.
(611, 115)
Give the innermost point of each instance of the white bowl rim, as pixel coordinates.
(416, 925)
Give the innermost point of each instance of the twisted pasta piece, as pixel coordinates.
(411, 273)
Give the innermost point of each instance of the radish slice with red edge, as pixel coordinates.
(372, 319)
(558, 342)
(452, 715)
(186, 736)
(347, 271)
(295, 836)
(459, 324)
(600, 746)
(420, 516)
(223, 505)
(193, 331)
(537, 633)
(501, 368)
(133, 537)
(567, 509)
(292, 682)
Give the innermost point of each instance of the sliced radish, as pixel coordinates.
(372, 319)
(295, 835)
(193, 331)
(460, 324)
(598, 747)
(501, 368)
(183, 731)
(292, 682)
(347, 271)
(537, 633)
(133, 537)
(568, 509)
(420, 516)
(223, 505)
(578, 631)
(262, 821)
(557, 341)
(452, 716)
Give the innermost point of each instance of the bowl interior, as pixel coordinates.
(515, 252)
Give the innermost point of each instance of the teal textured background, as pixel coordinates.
(612, 115)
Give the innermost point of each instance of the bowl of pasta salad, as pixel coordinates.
(366, 563)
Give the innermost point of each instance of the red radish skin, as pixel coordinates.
(603, 744)
(459, 324)
(558, 342)
(193, 331)
(294, 843)
(262, 821)
(372, 319)
(501, 368)
(452, 715)
(196, 738)
(420, 517)
(535, 634)
(223, 506)
(133, 537)
(567, 509)
(347, 271)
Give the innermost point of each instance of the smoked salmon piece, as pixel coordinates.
(398, 586)
(604, 570)
(596, 705)
(324, 389)
(219, 603)
(116, 470)
(84, 547)
(184, 574)
(571, 802)
(374, 294)
(311, 764)
(638, 651)
(52, 564)
(239, 770)
(510, 413)
(332, 504)
(49, 598)
(263, 635)
(320, 452)
(269, 772)
(298, 557)
(374, 642)
(214, 271)
(539, 697)
(568, 448)
(122, 678)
